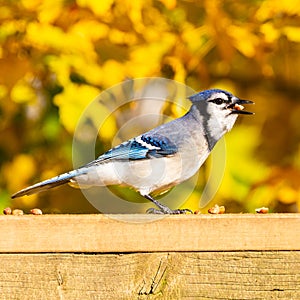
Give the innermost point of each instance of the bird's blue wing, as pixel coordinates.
(141, 147)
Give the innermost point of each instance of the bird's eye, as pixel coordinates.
(218, 101)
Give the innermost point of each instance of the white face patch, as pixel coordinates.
(144, 144)
(218, 95)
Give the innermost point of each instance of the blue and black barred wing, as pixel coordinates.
(141, 147)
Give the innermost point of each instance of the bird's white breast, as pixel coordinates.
(145, 175)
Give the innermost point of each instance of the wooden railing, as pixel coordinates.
(230, 256)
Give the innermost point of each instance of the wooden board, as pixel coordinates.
(163, 275)
(148, 233)
(150, 257)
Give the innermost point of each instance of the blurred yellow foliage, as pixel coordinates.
(24, 166)
(271, 34)
(3, 91)
(56, 57)
(292, 33)
(287, 194)
(23, 92)
(71, 104)
(243, 40)
(99, 8)
(273, 8)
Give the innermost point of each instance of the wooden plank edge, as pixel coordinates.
(148, 233)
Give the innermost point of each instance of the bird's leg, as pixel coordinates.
(163, 209)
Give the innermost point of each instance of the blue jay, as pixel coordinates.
(163, 157)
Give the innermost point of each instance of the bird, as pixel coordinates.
(156, 161)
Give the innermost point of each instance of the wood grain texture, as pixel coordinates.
(163, 275)
(148, 233)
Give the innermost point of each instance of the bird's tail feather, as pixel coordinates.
(50, 183)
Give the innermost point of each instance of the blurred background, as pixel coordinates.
(56, 56)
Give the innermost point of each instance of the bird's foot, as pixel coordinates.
(168, 211)
(163, 209)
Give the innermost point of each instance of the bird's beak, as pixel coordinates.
(237, 108)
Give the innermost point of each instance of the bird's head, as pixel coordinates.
(218, 110)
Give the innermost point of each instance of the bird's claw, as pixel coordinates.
(154, 211)
(182, 211)
(168, 211)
